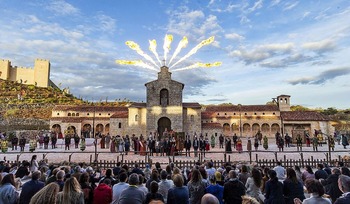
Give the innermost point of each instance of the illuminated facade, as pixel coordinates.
(164, 109)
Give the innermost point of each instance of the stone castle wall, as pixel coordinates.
(39, 75)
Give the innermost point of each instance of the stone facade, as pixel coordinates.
(39, 76)
(164, 109)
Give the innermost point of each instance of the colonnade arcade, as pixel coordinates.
(251, 129)
(82, 130)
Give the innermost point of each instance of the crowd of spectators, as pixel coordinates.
(40, 183)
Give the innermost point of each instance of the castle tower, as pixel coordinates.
(283, 102)
(5, 66)
(164, 103)
(41, 72)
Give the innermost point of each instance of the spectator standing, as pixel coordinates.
(153, 195)
(280, 171)
(86, 188)
(344, 186)
(46, 195)
(132, 195)
(178, 193)
(308, 173)
(30, 188)
(331, 184)
(292, 188)
(196, 187)
(315, 188)
(33, 164)
(119, 187)
(103, 192)
(215, 189)
(233, 189)
(71, 193)
(164, 185)
(273, 189)
(8, 191)
(253, 184)
(320, 173)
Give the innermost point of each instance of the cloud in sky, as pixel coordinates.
(265, 42)
(323, 77)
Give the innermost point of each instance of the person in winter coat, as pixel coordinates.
(331, 184)
(233, 189)
(103, 192)
(273, 189)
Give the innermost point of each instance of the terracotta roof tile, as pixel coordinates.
(89, 108)
(123, 114)
(244, 108)
(211, 125)
(303, 115)
(77, 119)
(191, 105)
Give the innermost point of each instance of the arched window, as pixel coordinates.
(119, 125)
(164, 97)
(77, 114)
(136, 117)
(69, 114)
(73, 114)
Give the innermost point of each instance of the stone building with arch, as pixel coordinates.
(165, 110)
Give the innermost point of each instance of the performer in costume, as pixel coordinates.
(314, 143)
(331, 143)
(127, 144)
(299, 143)
(239, 146)
(67, 142)
(53, 140)
(259, 136)
(235, 138)
(256, 143)
(121, 145)
(212, 141)
(76, 141)
(228, 147)
(4, 146)
(46, 141)
(32, 145)
(22, 143)
(266, 143)
(112, 146)
(249, 145)
(14, 142)
(82, 144)
(195, 146)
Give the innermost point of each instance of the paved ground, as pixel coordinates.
(59, 154)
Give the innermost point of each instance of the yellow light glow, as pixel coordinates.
(182, 44)
(138, 63)
(167, 42)
(199, 65)
(153, 49)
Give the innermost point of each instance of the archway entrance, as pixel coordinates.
(163, 123)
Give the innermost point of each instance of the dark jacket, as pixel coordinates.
(29, 189)
(292, 190)
(233, 191)
(343, 200)
(153, 196)
(321, 174)
(178, 195)
(331, 186)
(274, 192)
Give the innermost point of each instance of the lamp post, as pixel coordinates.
(93, 131)
(240, 120)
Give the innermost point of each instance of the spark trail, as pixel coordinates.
(167, 42)
(195, 49)
(199, 65)
(138, 63)
(134, 46)
(153, 49)
(182, 44)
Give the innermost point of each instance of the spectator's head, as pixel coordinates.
(319, 166)
(244, 169)
(340, 164)
(209, 199)
(84, 178)
(71, 186)
(77, 169)
(60, 175)
(218, 176)
(154, 187)
(107, 182)
(272, 174)
(154, 175)
(163, 174)
(336, 171)
(292, 175)
(36, 175)
(344, 183)
(212, 179)
(119, 163)
(178, 180)
(232, 174)
(314, 186)
(297, 168)
(157, 165)
(8, 179)
(89, 170)
(257, 177)
(345, 171)
(196, 176)
(309, 169)
(123, 177)
(210, 164)
(203, 172)
(278, 163)
(176, 170)
(108, 172)
(134, 179)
